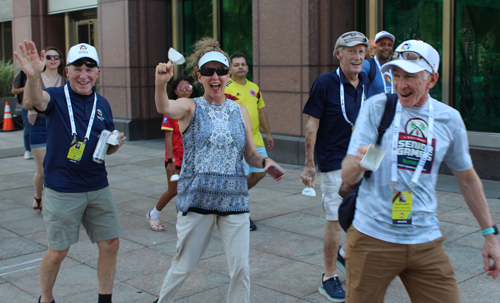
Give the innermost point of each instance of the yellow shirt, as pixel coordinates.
(250, 96)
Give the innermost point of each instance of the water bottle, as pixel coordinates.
(101, 148)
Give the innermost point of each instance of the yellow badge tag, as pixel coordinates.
(402, 208)
(75, 152)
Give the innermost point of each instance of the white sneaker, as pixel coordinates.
(27, 155)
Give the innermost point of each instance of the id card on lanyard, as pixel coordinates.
(77, 148)
(342, 100)
(384, 81)
(402, 201)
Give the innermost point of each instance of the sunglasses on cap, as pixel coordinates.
(52, 57)
(88, 63)
(208, 71)
(182, 88)
(412, 56)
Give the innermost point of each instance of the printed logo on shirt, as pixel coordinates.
(412, 144)
(253, 93)
(238, 94)
(388, 78)
(99, 115)
(165, 119)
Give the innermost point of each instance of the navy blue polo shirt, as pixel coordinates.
(334, 132)
(60, 174)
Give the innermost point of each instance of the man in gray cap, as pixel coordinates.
(395, 231)
(334, 102)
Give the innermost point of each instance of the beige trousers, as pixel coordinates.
(193, 235)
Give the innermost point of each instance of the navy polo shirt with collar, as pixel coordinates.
(334, 132)
(60, 174)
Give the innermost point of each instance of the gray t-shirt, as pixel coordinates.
(374, 207)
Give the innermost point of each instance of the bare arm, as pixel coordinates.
(170, 151)
(181, 109)
(309, 173)
(352, 172)
(264, 123)
(16, 90)
(472, 190)
(33, 65)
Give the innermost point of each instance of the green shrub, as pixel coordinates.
(7, 74)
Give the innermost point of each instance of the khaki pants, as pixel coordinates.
(424, 269)
(193, 235)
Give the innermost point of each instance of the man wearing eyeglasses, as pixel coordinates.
(333, 107)
(391, 236)
(385, 45)
(77, 190)
(247, 93)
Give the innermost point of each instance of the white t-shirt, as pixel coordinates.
(374, 207)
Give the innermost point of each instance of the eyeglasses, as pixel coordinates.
(182, 88)
(208, 72)
(52, 57)
(88, 63)
(412, 56)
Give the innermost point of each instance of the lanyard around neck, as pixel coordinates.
(72, 118)
(425, 154)
(382, 75)
(342, 101)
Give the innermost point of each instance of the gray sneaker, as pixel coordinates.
(332, 289)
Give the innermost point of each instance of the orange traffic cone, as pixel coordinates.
(8, 123)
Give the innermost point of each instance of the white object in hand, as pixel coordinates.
(113, 138)
(174, 178)
(373, 157)
(309, 191)
(101, 147)
(175, 57)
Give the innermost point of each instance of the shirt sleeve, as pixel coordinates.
(458, 155)
(318, 97)
(366, 127)
(167, 124)
(260, 100)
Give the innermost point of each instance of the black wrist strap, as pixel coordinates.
(170, 160)
(264, 162)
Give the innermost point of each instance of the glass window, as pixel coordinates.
(198, 22)
(236, 29)
(477, 64)
(420, 20)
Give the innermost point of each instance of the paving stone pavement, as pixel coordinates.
(286, 251)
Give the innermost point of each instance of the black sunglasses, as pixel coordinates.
(208, 71)
(52, 57)
(88, 63)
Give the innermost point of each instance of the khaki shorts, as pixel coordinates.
(330, 185)
(64, 212)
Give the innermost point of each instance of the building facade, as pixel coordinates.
(289, 43)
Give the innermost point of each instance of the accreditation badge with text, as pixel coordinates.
(402, 208)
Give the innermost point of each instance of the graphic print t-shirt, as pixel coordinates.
(449, 144)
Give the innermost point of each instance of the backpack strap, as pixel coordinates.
(387, 117)
(373, 69)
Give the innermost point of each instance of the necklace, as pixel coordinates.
(48, 80)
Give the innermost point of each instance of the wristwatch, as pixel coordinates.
(490, 230)
(264, 162)
(170, 160)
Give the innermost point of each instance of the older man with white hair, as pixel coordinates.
(395, 231)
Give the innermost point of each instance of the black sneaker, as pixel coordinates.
(252, 225)
(332, 289)
(340, 261)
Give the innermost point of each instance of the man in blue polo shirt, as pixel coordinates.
(335, 100)
(383, 81)
(77, 190)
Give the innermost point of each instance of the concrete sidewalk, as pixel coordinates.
(286, 252)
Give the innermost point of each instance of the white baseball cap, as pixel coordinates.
(429, 62)
(213, 56)
(384, 34)
(80, 51)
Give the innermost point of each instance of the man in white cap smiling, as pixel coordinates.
(333, 105)
(77, 190)
(395, 231)
(385, 45)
